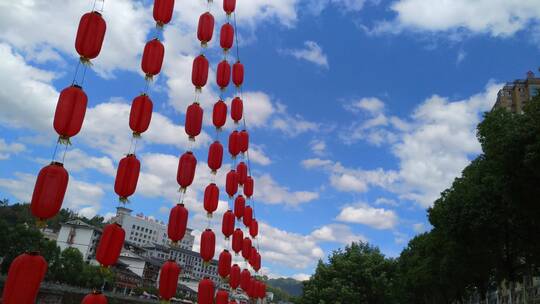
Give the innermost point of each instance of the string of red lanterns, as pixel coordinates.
(28, 269)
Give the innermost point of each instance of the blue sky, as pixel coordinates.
(360, 112)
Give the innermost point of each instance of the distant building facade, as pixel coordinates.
(142, 230)
(80, 235)
(515, 95)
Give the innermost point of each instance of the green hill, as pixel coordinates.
(288, 285)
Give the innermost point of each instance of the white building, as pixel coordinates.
(80, 235)
(143, 230)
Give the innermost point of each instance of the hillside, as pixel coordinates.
(288, 285)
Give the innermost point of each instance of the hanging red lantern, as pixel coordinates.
(243, 141)
(223, 74)
(231, 183)
(94, 298)
(252, 288)
(252, 256)
(194, 118)
(238, 74)
(199, 73)
(219, 114)
(237, 109)
(254, 228)
(248, 187)
(211, 198)
(226, 36)
(224, 263)
(248, 216)
(178, 219)
(215, 156)
(234, 147)
(70, 112)
(239, 205)
(234, 277)
(24, 277)
(163, 11)
(186, 170)
(263, 290)
(242, 172)
(110, 245)
(127, 176)
(208, 245)
(205, 29)
(205, 294)
(229, 6)
(227, 225)
(245, 279)
(246, 248)
(237, 240)
(222, 297)
(49, 191)
(168, 279)
(90, 35)
(140, 114)
(152, 58)
(257, 262)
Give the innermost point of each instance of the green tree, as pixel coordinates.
(358, 274)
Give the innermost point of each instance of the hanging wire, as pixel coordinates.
(65, 152)
(55, 149)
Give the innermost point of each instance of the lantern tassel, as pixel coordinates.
(123, 200)
(209, 215)
(64, 140)
(85, 61)
(137, 135)
(149, 77)
(159, 25)
(174, 243)
(41, 223)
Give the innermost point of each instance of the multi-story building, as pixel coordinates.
(515, 95)
(142, 230)
(193, 267)
(80, 235)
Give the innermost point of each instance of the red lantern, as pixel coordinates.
(208, 245)
(110, 245)
(140, 114)
(178, 218)
(263, 290)
(228, 6)
(223, 74)
(257, 262)
(194, 118)
(168, 279)
(219, 114)
(24, 277)
(215, 156)
(248, 187)
(237, 240)
(239, 205)
(226, 36)
(248, 216)
(205, 29)
(205, 294)
(211, 198)
(186, 170)
(234, 278)
(243, 141)
(227, 225)
(152, 58)
(237, 109)
(127, 176)
(231, 183)
(163, 10)
(242, 172)
(254, 228)
(49, 191)
(253, 256)
(70, 111)
(222, 297)
(246, 248)
(90, 35)
(224, 263)
(245, 280)
(234, 147)
(238, 74)
(199, 73)
(94, 298)
(252, 288)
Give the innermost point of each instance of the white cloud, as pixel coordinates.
(370, 104)
(362, 213)
(461, 56)
(386, 201)
(337, 233)
(311, 52)
(419, 227)
(78, 160)
(257, 155)
(270, 192)
(7, 149)
(495, 17)
(292, 125)
(318, 147)
(301, 277)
